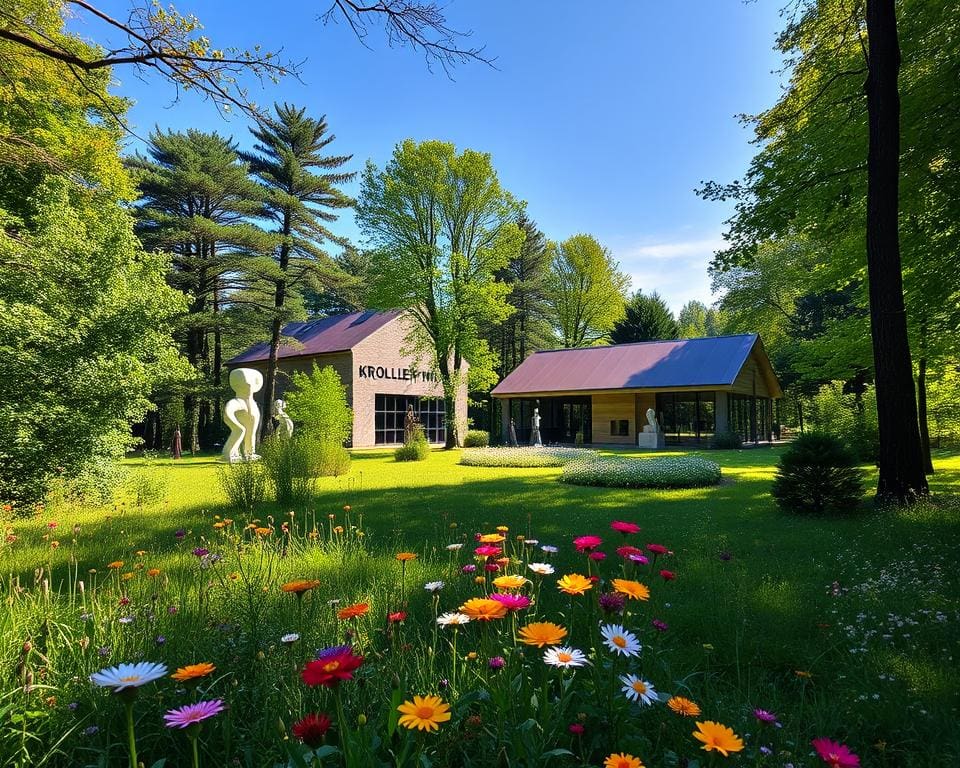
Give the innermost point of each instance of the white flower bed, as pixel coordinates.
(623, 472)
(523, 456)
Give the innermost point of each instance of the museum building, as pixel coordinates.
(696, 387)
(366, 349)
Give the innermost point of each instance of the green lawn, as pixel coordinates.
(866, 605)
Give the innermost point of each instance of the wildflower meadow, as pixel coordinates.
(441, 616)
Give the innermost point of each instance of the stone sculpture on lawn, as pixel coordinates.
(242, 415)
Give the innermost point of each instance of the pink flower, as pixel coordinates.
(626, 551)
(657, 549)
(190, 714)
(834, 754)
(469, 568)
(586, 543)
(597, 556)
(576, 729)
(492, 567)
(512, 602)
(639, 559)
(668, 575)
(764, 716)
(622, 527)
(487, 550)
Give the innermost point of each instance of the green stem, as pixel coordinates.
(128, 705)
(196, 752)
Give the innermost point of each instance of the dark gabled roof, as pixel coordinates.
(706, 362)
(336, 333)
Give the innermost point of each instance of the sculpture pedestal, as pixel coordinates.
(651, 441)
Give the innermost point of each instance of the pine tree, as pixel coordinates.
(648, 318)
(301, 189)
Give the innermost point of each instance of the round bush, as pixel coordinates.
(726, 440)
(415, 449)
(476, 438)
(525, 456)
(818, 475)
(624, 472)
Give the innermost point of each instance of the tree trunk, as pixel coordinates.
(279, 296)
(901, 466)
(450, 388)
(922, 408)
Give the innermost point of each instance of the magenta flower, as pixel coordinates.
(660, 626)
(497, 662)
(469, 568)
(764, 716)
(639, 559)
(627, 550)
(623, 527)
(512, 602)
(834, 754)
(201, 551)
(612, 602)
(587, 543)
(657, 549)
(186, 716)
(597, 556)
(487, 550)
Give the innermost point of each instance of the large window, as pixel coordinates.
(391, 410)
(751, 417)
(687, 415)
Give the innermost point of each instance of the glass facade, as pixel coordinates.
(751, 417)
(687, 416)
(561, 418)
(390, 412)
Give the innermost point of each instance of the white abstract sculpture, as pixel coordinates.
(652, 437)
(651, 425)
(285, 425)
(242, 415)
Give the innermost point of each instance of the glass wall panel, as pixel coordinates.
(390, 413)
(687, 416)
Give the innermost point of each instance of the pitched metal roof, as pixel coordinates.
(336, 333)
(712, 361)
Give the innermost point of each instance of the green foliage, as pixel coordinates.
(443, 227)
(624, 472)
(476, 438)
(290, 464)
(848, 416)
(318, 402)
(818, 475)
(521, 456)
(329, 459)
(647, 318)
(244, 483)
(415, 448)
(943, 405)
(697, 320)
(726, 440)
(587, 291)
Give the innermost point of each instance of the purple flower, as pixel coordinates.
(180, 534)
(160, 640)
(336, 650)
(470, 568)
(171, 609)
(497, 662)
(104, 650)
(764, 716)
(612, 602)
(640, 559)
(766, 751)
(91, 730)
(190, 714)
(72, 706)
(660, 626)
(201, 551)
(725, 556)
(443, 684)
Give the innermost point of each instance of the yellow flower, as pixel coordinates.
(479, 579)
(193, 672)
(509, 582)
(483, 609)
(472, 656)
(717, 737)
(404, 557)
(219, 525)
(262, 531)
(140, 552)
(153, 572)
(424, 713)
(622, 760)
(632, 589)
(542, 633)
(115, 565)
(299, 586)
(491, 538)
(802, 673)
(128, 575)
(574, 584)
(683, 706)
(502, 529)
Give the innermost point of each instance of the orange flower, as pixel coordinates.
(140, 552)
(404, 557)
(632, 589)
(115, 565)
(511, 581)
(128, 575)
(542, 633)
(717, 737)
(193, 672)
(219, 525)
(491, 538)
(483, 609)
(262, 531)
(683, 706)
(299, 586)
(153, 572)
(574, 584)
(622, 760)
(353, 611)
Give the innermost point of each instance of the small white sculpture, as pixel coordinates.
(651, 425)
(285, 425)
(242, 415)
(535, 432)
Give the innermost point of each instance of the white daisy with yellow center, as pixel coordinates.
(637, 689)
(620, 641)
(564, 657)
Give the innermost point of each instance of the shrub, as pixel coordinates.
(524, 456)
(245, 484)
(851, 420)
(624, 472)
(329, 460)
(476, 438)
(578, 440)
(727, 440)
(416, 448)
(290, 463)
(318, 402)
(818, 475)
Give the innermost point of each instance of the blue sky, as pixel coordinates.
(603, 116)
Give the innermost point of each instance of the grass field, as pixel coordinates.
(865, 608)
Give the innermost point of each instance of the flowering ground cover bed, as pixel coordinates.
(448, 615)
(656, 472)
(522, 456)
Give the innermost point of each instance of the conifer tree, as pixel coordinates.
(647, 318)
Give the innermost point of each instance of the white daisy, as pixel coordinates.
(541, 569)
(433, 586)
(125, 676)
(620, 641)
(452, 619)
(531, 542)
(454, 547)
(638, 690)
(290, 639)
(549, 549)
(564, 657)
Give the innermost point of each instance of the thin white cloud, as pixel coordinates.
(674, 250)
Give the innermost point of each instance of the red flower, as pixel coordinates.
(597, 556)
(594, 579)
(311, 729)
(586, 543)
(397, 616)
(576, 729)
(834, 754)
(333, 665)
(626, 550)
(658, 549)
(622, 527)
(668, 575)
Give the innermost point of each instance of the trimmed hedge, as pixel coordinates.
(624, 472)
(476, 438)
(524, 456)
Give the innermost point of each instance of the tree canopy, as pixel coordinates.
(647, 318)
